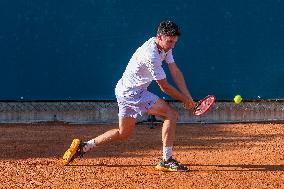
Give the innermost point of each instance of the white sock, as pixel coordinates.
(167, 152)
(90, 144)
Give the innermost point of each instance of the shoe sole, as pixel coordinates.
(164, 169)
(71, 151)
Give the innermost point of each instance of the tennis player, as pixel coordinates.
(134, 99)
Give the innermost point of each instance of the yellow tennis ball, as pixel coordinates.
(238, 99)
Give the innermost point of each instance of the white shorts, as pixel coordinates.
(136, 104)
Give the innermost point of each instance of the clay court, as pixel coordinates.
(219, 156)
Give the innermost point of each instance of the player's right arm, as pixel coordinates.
(174, 93)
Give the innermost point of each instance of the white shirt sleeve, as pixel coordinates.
(169, 57)
(156, 70)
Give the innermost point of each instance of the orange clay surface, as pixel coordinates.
(219, 156)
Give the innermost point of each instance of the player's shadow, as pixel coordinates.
(197, 167)
(111, 165)
(237, 168)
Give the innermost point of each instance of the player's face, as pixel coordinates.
(168, 42)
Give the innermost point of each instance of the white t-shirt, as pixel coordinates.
(144, 67)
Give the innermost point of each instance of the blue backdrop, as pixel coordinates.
(78, 49)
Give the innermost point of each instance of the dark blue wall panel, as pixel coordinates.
(60, 50)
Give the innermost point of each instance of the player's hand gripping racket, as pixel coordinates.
(204, 105)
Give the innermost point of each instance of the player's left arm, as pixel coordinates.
(178, 78)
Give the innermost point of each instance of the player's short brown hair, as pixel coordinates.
(169, 28)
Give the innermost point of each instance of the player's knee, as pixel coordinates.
(172, 114)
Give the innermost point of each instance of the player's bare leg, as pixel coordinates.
(78, 148)
(125, 130)
(162, 109)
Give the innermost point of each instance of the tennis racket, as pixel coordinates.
(204, 105)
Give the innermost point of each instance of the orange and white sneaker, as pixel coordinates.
(171, 165)
(75, 150)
